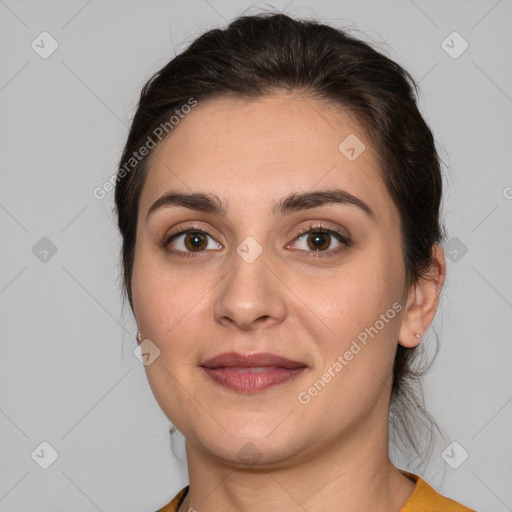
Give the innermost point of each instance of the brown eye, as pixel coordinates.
(320, 239)
(195, 241)
(190, 241)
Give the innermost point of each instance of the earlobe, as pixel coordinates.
(422, 301)
(412, 328)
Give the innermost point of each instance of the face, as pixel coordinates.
(317, 280)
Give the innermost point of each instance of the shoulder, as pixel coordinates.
(426, 499)
(173, 505)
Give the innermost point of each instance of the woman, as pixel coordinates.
(278, 198)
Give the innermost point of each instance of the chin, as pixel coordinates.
(251, 453)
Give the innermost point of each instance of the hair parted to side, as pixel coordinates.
(259, 54)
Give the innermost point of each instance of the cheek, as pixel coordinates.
(168, 310)
(356, 353)
(160, 297)
(359, 312)
(173, 308)
(349, 300)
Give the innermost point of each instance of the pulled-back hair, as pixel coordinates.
(259, 54)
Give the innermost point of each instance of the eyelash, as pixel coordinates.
(312, 228)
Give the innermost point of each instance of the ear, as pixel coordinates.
(422, 301)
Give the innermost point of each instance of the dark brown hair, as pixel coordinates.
(259, 54)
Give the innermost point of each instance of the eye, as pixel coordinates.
(190, 240)
(319, 239)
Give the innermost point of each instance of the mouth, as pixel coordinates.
(251, 380)
(251, 373)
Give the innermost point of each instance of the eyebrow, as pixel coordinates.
(211, 203)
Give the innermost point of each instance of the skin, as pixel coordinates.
(332, 450)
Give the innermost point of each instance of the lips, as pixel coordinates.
(262, 359)
(253, 372)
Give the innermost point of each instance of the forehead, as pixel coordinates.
(261, 149)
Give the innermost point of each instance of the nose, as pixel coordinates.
(251, 296)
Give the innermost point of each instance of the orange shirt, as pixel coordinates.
(423, 499)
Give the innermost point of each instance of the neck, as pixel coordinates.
(353, 473)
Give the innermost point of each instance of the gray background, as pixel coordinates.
(68, 375)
